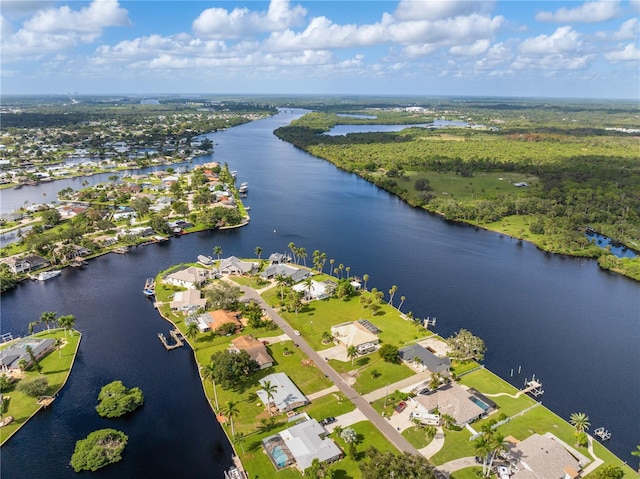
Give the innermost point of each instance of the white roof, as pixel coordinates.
(286, 393)
(306, 443)
(351, 334)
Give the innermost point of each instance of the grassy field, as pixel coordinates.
(56, 367)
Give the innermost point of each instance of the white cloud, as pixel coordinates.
(588, 12)
(411, 10)
(62, 28)
(629, 53)
(5, 27)
(629, 30)
(91, 19)
(242, 22)
(563, 40)
(477, 48)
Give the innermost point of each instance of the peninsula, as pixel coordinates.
(289, 353)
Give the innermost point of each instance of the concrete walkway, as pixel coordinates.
(452, 466)
(324, 392)
(403, 385)
(596, 462)
(434, 446)
(347, 419)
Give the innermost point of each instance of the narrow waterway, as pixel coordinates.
(573, 326)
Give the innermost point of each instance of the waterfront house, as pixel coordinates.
(191, 299)
(464, 405)
(16, 265)
(254, 348)
(300, 444)
(188, 277)
(421, 355)
(355, 334)
(317, 290)
(233, 265)
(220, 317)
(544, 456)
(281, 269)
(202, 320)
(286, 396)
(36, 262)
(277, 258)
(10, 357)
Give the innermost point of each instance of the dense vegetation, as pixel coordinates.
(117, 400)
(100, 448)
(572, 170)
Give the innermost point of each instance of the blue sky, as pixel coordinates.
(408, 47)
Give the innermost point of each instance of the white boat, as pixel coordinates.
(45, 275)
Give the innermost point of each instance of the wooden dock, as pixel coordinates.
(177, 337)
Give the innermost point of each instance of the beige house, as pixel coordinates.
(190, 277)
(220, 317)
(189, 299)
(254, 348)
(464, 405)
(353, 334)
(544, 456)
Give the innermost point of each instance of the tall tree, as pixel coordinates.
(392, 291)
(465, 346)
(580, 421)
(67, 322)
(269, 389)
(331, 262)
(230, 411)
(292, 248)
(192, 330)
(258, 252)
(402, 298)
(208, 372)
(352, 353)
(365, 278)
(48, 317)
(217, 250)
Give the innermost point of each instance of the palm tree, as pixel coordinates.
(292, 247)
(67, 322)
(302, 253)
(192, 330)
(365, 278)
(402, 298)
(58, 344)
(308, 283)
(348, 269)
(482, 448)
(269, 388)
(331, 261)
(48, 317)
(281, 282)
(580, 421)
(217, 250)
(352, 353)
(392, 291)
(209, 372)
(230, 410)
(447, 421)
(497, 445)
(258, 251)
(340, 267)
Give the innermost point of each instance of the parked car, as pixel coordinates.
(401, 406)
(328, 420)
(296, 332)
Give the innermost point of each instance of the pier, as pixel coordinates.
(177, 337)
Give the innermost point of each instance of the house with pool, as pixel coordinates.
(300, 444)
(465, 405)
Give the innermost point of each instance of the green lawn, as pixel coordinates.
(467, 473)
(416, 437)
(56, 367)
(367, 382)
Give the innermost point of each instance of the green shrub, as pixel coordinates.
(34, 388)
(116, 400)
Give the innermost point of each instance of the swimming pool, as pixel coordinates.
(279, 456)
(483, 405)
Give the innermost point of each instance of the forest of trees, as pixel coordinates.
(572, 175)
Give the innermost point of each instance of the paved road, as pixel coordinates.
(362, 404)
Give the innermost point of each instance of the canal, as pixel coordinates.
(574, 326)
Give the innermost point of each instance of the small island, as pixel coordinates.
(100, 448)
(117, 400)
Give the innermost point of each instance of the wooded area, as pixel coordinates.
(543, 173)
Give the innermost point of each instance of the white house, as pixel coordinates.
(286, 395)
(190, 277)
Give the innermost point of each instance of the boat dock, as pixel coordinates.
(602, 433)
(177, 337)
(534, 388)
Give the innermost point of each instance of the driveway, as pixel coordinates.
(337, 352)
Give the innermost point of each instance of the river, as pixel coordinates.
(574, 326)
